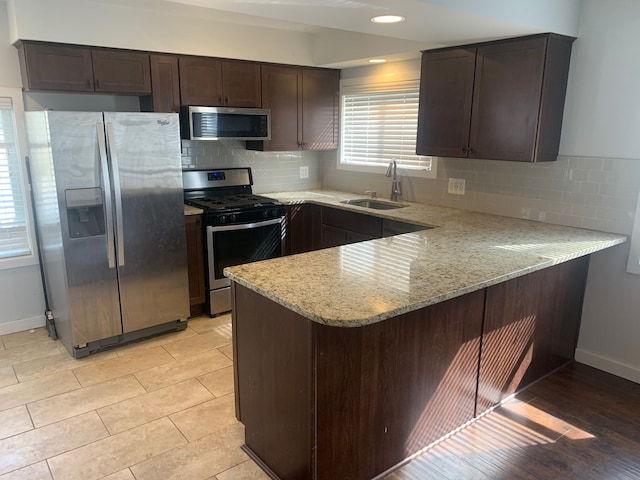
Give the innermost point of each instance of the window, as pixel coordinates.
(379, 124)
(15, 244)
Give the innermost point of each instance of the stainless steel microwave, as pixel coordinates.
(219, 123)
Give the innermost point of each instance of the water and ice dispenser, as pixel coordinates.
(85, 212)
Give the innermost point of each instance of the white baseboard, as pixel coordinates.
(22, 325)
(608, 365)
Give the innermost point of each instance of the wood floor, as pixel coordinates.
(579, 424)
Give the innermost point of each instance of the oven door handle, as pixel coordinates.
(244, 226)
(226, 228)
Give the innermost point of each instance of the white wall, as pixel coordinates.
(179, 28)
(160, 28)
(610, 331)
(21, 300)
(549, 15)
(603, 117)
(594, 184)
(21, 294)
(10, 71)
(602, 111)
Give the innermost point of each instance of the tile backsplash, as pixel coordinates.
(595, 193)
(587, 192)
(272, 171)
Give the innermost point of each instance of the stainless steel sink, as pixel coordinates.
(373, 203)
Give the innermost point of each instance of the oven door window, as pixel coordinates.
(234, 247)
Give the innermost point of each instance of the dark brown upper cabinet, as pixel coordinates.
(241, 84)
(56, 67)
(165, 84)
(304, 108)
(500, 100)
(69, 68)
(214, 82)
(446, 89)
(320, 103)
(121, 72)
(281, 93)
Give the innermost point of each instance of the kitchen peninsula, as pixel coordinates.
(350, 359)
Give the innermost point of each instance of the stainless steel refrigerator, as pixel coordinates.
(109, 203)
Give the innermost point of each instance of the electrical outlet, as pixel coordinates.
(456, 186)
(304, 172)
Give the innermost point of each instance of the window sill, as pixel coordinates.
(18, 262)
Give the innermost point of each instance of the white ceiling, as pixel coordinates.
(429, 21)
(330, 33)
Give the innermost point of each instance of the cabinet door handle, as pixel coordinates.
(226, 100)
(89, 83)
(97, 83)
(221, 100)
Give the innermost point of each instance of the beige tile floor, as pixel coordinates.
(158, 409)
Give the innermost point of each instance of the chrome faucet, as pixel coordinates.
(396, 187)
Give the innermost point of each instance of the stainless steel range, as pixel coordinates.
(240, 227)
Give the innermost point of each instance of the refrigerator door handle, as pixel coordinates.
(117, 191)
(106, 187)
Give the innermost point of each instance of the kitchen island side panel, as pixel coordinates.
(321, 402)
(387, 390)
(530, 329)
(273, 374)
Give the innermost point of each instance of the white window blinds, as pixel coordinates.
(379, 124)
(14, 237)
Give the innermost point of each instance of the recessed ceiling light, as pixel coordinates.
(377, 60)
(388, 19)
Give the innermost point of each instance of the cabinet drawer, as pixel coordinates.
(355, 222)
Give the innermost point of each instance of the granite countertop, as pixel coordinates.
(367, 282)
(189, 210)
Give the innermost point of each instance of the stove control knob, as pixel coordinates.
(274, 212)
(265, 213)
(233, 217)
(222, 219)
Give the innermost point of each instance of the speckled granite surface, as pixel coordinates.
(189, 210)
(371, 281)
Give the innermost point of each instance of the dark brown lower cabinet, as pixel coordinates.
(311, 227)
(341, 227)
(387, 390)
(531, 328)
(303, 228)
(195, 263)
(326, 403)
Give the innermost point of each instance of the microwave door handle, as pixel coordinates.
(117, 194)
(106, 188)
